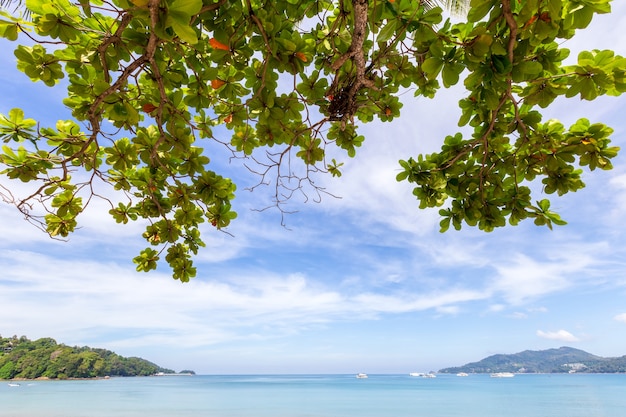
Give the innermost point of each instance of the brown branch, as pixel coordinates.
(508, 94)
(213, 6)
(344, 103)
(258, 23)
(510, 21)
(112, 40)
(93, 114)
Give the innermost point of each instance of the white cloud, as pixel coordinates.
(523, 278)
(402, 303)
(620, 317)
(78, 301)
(457, 249)
(617, 192)
(619, 182)
(451, 310)
(560, 335)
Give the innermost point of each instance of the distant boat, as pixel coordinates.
(462, 374)
(502, 375)
(14, 384)
(423, 375)
(361, 376)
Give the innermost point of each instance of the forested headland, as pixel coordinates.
(562, 360)
(45, 358)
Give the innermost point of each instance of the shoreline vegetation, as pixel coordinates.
(46, 378)
(45, 359)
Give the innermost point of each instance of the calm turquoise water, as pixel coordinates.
(574, 395)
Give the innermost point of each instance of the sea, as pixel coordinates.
(477, 395)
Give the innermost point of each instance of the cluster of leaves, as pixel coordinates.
(148, 79)
(23, 358)
(513, 54)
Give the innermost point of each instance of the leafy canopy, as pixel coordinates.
(152, 83)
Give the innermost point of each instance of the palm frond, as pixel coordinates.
(456, 7)
(14, 6)
(6, 3)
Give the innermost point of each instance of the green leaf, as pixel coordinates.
(388, 31)
(186, 7)
(8, 30)
(179, 17)
(544, 204)
(450, 74)
(479, 9)
(147, 260)
(432, 66)
(44, 7)
(183, 30)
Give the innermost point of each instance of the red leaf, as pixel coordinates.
(149, 107)
(218, 45)
(217, 83)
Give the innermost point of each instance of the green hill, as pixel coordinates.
(45, 358)
(561, 360)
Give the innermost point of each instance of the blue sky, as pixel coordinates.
(361, 283)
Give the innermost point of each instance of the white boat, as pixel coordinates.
(361, 376)
(462, 374)
(14, 384)
(502, 375)
(423, 375)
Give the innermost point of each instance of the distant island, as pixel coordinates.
(562, 360)
(21, 358)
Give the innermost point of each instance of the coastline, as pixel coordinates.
(94, 378)
(160, 374)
